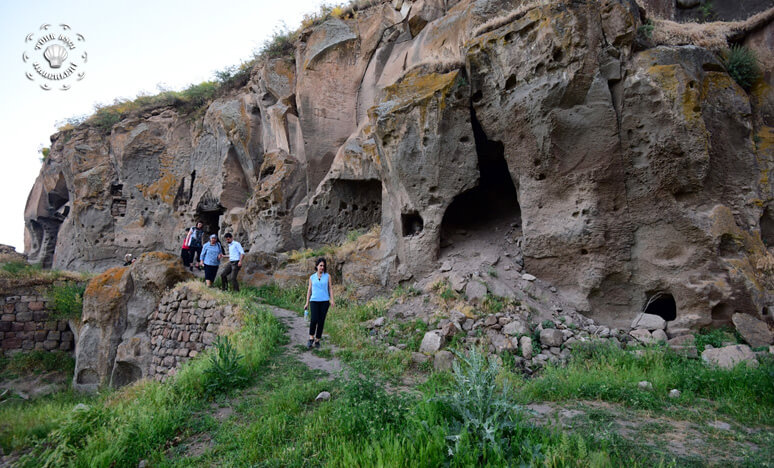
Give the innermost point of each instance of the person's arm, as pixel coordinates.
(330, 292)
(308, 294)
(241, 255)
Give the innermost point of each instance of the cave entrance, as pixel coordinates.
(493, 205)
(125, 373)
(211, 221)
(349, 205)
(661, 304)
(767, 228)
(721, 315)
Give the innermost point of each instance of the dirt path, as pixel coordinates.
(298, 332)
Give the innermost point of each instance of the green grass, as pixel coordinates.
(716, 337)
(118, 428)
(68, 301)
(35, 362)
(608, 373)
(19, 268)
(344, 325)
(24, 423)
(278, 423)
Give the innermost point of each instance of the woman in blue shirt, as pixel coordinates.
(210, 259)
(320, 293)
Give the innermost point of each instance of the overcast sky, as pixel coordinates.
(132, 47)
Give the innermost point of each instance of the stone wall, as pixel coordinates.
(185, 324)
(26, 323)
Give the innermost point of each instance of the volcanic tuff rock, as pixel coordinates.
(113, 346)
(633, 180)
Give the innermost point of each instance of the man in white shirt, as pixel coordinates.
(235, 256)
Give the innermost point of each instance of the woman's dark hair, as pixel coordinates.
(325, 264)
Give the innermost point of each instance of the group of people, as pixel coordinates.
(207, 256)
(319, 294)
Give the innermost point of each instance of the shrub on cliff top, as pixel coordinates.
(742, 65)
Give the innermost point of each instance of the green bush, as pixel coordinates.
(481, 410)
(105, 118)
(742, 64)
(68, 301)
(225, 370)
(281, 44)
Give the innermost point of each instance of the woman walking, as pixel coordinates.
(210, 259)
(320, 293)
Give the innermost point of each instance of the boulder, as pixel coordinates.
(648, 322)
(660, 335)
(323, 396)
(551, 337)
(755, 332)
(475, 291)
(516, 328)
(642, 335)
(431, 342)
(457, 281)
(419, 358)
(443, 360)
(728, 357)
(528, 277)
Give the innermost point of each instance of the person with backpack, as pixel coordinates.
(196, 243)
(209, 258)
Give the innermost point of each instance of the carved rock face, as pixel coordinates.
(113, 346)
(623, 177)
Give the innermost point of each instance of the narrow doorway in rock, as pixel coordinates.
(211, 220)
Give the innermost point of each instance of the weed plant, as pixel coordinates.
(68, 301)
(225, 370)
(742, 64)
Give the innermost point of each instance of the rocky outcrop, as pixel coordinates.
(113, 346)
(630, 179)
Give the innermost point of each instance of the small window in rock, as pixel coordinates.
(661, 304)
(412, 223)
(721, 314)
(116, 189)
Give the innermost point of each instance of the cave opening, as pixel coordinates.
(412, 223)
(125, 373)
(350, 205)
(662, 304)
(210, 220)
(494, 202)
(721, 314)
(767, 227)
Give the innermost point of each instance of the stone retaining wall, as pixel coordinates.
(183, 326)
(26, 324)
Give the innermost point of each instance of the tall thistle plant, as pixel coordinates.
(481, 410)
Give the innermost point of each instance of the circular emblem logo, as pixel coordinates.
(55, 57)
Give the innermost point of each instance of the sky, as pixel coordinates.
(133, 47)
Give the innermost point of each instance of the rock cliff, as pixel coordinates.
(629, 175)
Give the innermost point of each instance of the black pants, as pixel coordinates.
(187, 256)
(232, 270)
(210, 271)
(318, 310)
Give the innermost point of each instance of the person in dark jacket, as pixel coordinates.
(197, 238)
